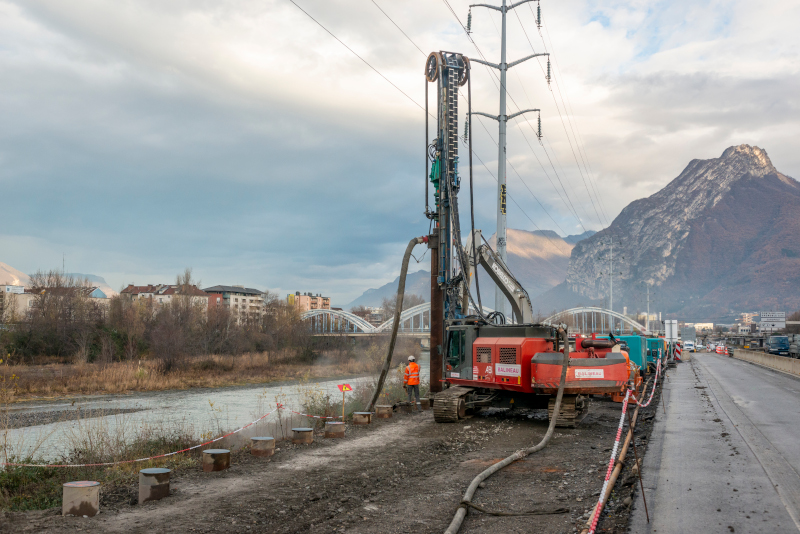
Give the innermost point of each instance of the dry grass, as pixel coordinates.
(58, 379)
(211, 371)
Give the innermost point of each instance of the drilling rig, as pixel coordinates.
(484, 359)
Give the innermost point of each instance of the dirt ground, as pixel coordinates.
(402, 475)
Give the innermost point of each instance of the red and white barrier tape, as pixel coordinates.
(655, 383)
(106, 464)
(599, 507)
(307, 415)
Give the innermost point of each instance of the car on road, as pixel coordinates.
(688, 346)
(778, 345)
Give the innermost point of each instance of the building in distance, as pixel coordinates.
(308, 301)
(241, 301)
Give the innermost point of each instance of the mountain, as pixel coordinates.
(418, 283)
(720, 239)
(538, 259)
(11, 276)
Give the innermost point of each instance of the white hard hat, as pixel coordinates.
(411, 358)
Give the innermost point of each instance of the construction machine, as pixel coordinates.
(486, 359)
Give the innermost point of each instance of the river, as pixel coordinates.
(201, 412)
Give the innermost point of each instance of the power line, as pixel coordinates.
(577, 141)
(483, 125)
(588, 191)
(508, 93)
(399, 28)
(581, 142)
(355, 54)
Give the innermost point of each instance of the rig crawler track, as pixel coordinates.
(450, 405)
(573, 410)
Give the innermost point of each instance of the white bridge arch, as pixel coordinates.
(416, 319)
(590, 319)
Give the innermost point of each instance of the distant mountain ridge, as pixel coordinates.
(719, 239)
(538, 259)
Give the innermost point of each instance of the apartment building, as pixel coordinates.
(239, 299)
(308, 301)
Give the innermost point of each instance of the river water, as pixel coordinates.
(206, 412)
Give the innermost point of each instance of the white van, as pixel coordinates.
(688, 346)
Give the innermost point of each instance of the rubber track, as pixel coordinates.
(445, 405)
(569, 415)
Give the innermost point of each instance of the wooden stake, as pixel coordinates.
(342, 405)
(638, 468)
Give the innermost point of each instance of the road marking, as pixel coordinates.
(784, 478)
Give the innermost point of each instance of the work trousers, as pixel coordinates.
(415, 391)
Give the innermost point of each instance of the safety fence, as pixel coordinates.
(773, 361)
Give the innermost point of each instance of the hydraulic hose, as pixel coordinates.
(462, 509)
(401, 289)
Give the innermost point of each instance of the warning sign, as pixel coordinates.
(345, 387)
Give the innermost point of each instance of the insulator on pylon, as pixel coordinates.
(538, 15)
(548, 70)
(539, 132)
(466, 130)
(469, 21)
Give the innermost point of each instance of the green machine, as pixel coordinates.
(654, 345)
(637, 351)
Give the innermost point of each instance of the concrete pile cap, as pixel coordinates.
(302, 429)
(81, 498)
(155, 471)
(263, 438)
(216, 451)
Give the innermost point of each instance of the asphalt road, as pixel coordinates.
(724, 457)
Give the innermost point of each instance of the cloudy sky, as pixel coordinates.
(239, 138)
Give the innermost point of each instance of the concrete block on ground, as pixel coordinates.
(81, 498)
(302, 436)
(153, 484)
(383, 411)
(362, 418)
(425, 403)
(262, 446)
(334, 429)
(216, 460)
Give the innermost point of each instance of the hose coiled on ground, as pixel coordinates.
(462, 509)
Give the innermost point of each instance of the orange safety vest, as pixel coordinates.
(411, 377)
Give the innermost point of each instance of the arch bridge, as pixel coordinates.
(590, 319)
(414, 320)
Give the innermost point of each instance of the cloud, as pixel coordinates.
(241, 139)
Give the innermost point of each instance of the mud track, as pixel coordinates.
(401, 475)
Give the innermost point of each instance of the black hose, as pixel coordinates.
(462, 509)
(401, 289)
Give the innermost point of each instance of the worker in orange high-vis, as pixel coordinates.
(411, 381)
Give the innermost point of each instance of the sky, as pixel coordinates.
(242, 140)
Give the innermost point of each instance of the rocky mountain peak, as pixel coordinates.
(649, 233)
